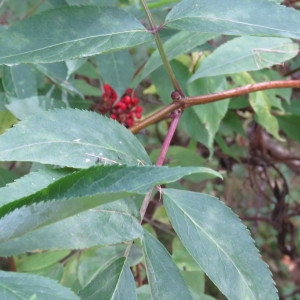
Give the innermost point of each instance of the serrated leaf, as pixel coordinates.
(30, 183)
(117, 283)
(16, 286)
(72, 138)
(6, 176)
(83, 190)
(159, 266)
(246, 53)
(263, 18)
(220, 244)
(179, 43)
(75, 32)
(19, 81)
(115, 225)
(116, 69)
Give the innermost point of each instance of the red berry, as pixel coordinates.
(113, 116)
(109, 92)
(127, 99)
(135, 101)
(138, 115)
(138, 109)
(129, 122)
(121, 105)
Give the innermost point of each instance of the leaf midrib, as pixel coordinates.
(231, 21)
(73, 41)
(214, 242)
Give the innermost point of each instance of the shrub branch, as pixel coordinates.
(203, 99)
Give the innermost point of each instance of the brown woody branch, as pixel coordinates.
(197, 100)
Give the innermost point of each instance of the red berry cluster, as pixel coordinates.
(125, 111)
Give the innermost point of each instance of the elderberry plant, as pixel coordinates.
(97, 212)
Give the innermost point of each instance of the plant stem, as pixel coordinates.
(197, 100)
(161, 50)
(161, 158)
(168, 138)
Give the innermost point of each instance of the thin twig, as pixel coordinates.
(155, 31)
(197, 100)
(161, 159)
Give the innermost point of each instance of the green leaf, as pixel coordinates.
(7, 119)
(193, 276)
(83, 190)
(70, 32)
(261, 105)
(38, 261)
(220, 244)
(114, 223)
(203, 121)
(30, 184)
(290, 124)
(58, 73)
(235, 18)
(92, 2)
(74, 64)
(179, 43)
(144, 292)
(6, 177)
(176, 153)
(71, 138)
(35, 105)
(19, 81)
(116, 280)
(184, 260)
(96, 259)
(246, 54)
(87, 89)
(277, 97)
(160, 268)
(16, 286)
(162, 82)
(116, 69)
